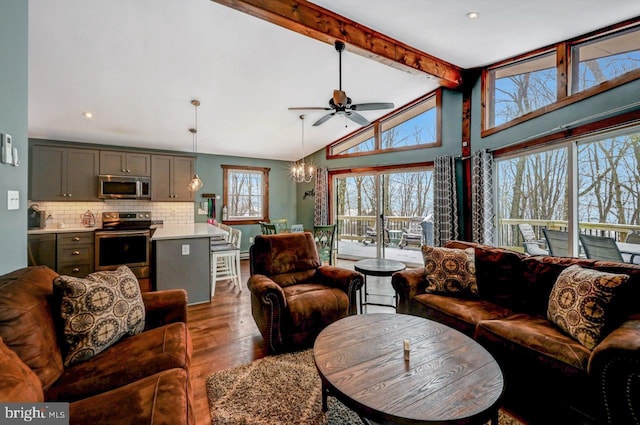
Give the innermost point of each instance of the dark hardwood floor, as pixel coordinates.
(224, 334)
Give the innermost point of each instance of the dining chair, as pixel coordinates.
(282, 224)
(297, 228)
(600, 248)
(558, 242)
(324, 237)
(268, 228)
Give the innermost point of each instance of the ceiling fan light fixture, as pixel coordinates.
(300, 171)
(195, 184)
(341, 104)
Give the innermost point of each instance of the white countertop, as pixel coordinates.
(56, 229)
(182, 231)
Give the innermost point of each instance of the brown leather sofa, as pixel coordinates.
(293, 297)
(549, 376)
(141, 379)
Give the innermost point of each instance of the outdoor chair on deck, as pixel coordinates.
(532, 245)
(558, 242)
(600, 248)
(371, 235)
(412, 235)
(632, 237)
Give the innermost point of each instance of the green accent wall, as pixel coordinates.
(13, 121)
(282, 190)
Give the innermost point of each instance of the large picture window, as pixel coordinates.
(413, 126)
(522, 88)
(602, 199)
(603, 59)
(519, 88)
(246, 194)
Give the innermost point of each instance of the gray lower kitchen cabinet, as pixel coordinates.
(63, 174)
(68, 253)
(184, 264)
(170, 176)
(75, 253)
(41, 250)
(118, 163)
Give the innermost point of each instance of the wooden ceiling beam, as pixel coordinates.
(316, 22)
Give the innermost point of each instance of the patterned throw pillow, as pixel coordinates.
(99, 310)
(579, 301)
(450, 271)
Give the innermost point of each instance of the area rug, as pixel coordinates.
(278, 390)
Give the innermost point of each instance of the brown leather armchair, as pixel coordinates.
(293, 297)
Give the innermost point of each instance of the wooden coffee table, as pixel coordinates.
(449, 377)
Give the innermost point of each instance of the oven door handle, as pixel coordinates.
(107, 233)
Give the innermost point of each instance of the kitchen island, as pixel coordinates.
(182, 258)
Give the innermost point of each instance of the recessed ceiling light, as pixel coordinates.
(473, 15)
(87, 114)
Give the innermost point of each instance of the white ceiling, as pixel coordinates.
(136, 65)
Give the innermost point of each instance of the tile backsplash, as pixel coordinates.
(70, 213)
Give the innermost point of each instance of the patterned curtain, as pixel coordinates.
(482, 197)
(321, 210)
(445, 201)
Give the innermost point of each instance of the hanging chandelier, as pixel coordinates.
(195, 183)
(300, 171)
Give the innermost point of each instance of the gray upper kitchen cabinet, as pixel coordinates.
(120, 163)
(63, 174)
(170, 176)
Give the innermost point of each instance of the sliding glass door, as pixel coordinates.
(373, 210)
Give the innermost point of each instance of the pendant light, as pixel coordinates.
(300, 171)
(195, 183)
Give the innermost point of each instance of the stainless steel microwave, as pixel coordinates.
(124, 187)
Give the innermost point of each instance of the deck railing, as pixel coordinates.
(354, 228)
(510, 236)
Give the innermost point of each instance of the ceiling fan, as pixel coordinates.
(341, 104)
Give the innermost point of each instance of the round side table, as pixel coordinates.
(376, 267)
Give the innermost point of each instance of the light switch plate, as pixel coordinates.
(185, 249)
(13, 199)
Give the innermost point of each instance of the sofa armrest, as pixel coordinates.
(164, 307)
(349, 281)
(615, 367)
(407, 284)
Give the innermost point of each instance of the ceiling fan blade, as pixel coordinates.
(323, 119)
(357, 118)
(371, 106)
(340, 97)
(309, 108)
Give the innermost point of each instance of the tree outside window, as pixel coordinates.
(246, 194)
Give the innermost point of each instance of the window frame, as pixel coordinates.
(226, 169)
(398, 117)
(564, 68)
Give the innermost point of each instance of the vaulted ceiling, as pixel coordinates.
(136, 65)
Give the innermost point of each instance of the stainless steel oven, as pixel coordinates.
(125, 239)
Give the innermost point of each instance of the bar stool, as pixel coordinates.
(225, 260)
